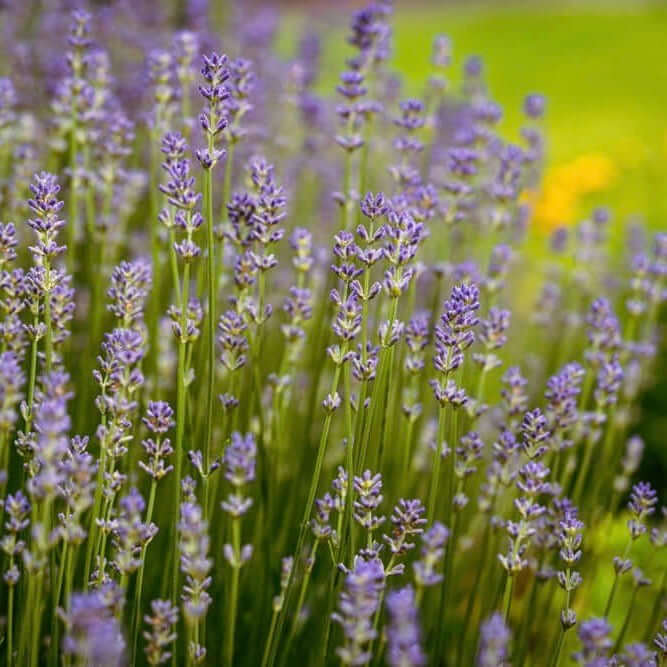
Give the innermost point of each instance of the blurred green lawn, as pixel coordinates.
(603, 68)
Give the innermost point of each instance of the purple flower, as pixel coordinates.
(160, 634)
(368, 488)
(535, 433)
(603, 332)
(93, 633)
(595, 640)
(642, 504)
(158, 420)
(213, 119)
(130, 285)
(561, 395)
(12, 379)
(130, 534)
(660, 640)
(514, 394)
(240, 459)
(609, 380)
(195, 563)
(46, 224)
(403, 633)
(407, 520)
(357, 605)
(534, 105)
(432, 553)
(493, 642)
(51, 424)
(159, 417)
(8, 243)
(454, 331)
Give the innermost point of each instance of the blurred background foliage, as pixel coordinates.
(603, 68)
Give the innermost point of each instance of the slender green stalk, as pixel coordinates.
(95, 512)
(507, 598)
(349, 458)
(181, 393)
(626, 620)
(48, 351)
(31, 380)
(528, 616)
(589, 446)
(140, 576)
(36, 621)
(437, 460)
(211, 282)
(227, 181)
(73, 198)
(53, 656)
(555, 657)
(269, 638)
(234, 592)
(614, 586)
(10, 623)
(302, 597)
(154, 304)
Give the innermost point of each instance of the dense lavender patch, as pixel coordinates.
(280, 379)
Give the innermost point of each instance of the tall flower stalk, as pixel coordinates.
(213, 120)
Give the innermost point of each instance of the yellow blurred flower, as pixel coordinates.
(564, 185)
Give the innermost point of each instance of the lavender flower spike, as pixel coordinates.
(403, 633)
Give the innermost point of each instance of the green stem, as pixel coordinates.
(626, 621)
(302, 597)
(31, 381)
(97, 506)
(48, 322)
(349, 456)
(234, 592)
(612, 593)
(437, 459)
(181, 391)
(10, 624)
(227, 181)
(154, 305)
(555, 658)
(589, 445)
(208, 199)
(73, 200)
(269, 639)
(507, 598)
(53, 658)
(140, 576)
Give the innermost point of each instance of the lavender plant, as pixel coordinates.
(240, 424)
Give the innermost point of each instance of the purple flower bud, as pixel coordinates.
(160, 635)
(357, 605)
(403, 632)
(239, 459)
(432, 553)
(534, 105)
(595, 640)
(94, 635)
(493, 642)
